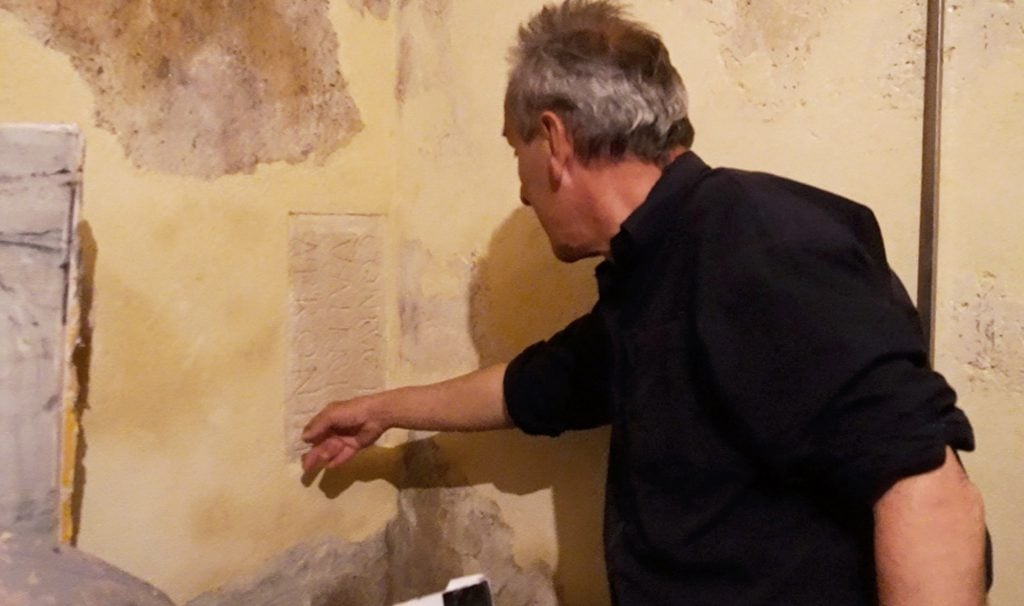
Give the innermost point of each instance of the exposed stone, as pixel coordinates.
(448, 531)
(206, 88)
(40, 178)
(38, 572)
(444, 529)
(39, 185)
(330, 572)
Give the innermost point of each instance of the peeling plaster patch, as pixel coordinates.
(982, 30)
(990, 335)
(206, 88)
(777, 32)
(377, 8)
(404, 68)
(424, 52)
(434, 331)
(443, 529)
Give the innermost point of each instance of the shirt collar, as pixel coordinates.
(648, 224)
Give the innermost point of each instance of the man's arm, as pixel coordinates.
(930, 540)
(472, 402)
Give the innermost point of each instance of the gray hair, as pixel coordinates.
(608, 77)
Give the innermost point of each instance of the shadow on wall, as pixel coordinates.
(519, 294)
(522, 294)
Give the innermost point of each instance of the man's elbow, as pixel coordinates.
(930, 539)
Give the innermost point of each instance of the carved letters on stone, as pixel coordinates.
(336, 343)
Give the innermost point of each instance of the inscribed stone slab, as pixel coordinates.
(336, 307)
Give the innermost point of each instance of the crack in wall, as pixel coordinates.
(206, 88)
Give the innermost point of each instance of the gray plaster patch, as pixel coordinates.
(206, 88)
(989, 329)
(38, 572)
(327, 572)
(444, 529)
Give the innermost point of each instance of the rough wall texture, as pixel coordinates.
(772, 42)
(443, 530)
(189, 360)
(980, 322)
(206, 88)
(989, 327)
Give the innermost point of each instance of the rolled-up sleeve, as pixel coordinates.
(560, 384)
(819, 363)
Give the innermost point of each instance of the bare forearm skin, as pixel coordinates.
(472, 402)
(930, 540)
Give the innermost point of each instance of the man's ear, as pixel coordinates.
(560, 148)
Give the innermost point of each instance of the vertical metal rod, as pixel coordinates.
(930, 172)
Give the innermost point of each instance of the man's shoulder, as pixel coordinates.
(739, 206)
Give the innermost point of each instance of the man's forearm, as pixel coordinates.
(930, 540)
(472, 402)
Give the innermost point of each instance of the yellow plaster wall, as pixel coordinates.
(824, 93)
(186, 485)
(980, 303)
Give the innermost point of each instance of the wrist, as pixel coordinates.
(380, 412)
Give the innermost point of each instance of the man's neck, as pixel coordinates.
(616, 189)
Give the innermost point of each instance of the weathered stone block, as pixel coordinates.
(40, 184)
(336, 313)
(39, 179)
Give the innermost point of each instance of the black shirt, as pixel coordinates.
(766, 381)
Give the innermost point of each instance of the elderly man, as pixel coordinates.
(777, 435)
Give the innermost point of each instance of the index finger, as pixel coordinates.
(317, 427)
